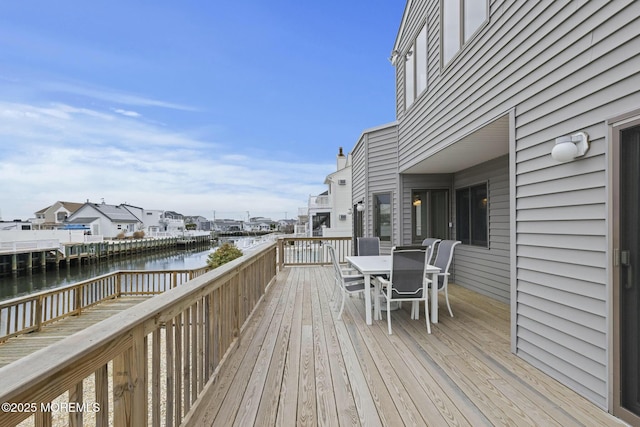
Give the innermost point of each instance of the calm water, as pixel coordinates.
(168, 260)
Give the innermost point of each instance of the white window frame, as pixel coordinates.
(415, 68)
(464, 35)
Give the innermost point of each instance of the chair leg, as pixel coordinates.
(446, 296)
(426, 315)
(333, 294)
(415, 310)
(344, 297)
(389, 315)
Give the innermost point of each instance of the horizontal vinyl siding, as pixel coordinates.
(562, 273)
(383, 174)
(561, 67)
(487, 270)
(358, 171)
(375, 170)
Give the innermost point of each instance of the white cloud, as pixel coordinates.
(127, 113)
(63, 152)
(109, 95)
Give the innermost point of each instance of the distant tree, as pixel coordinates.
(191, 226)
(138, 234)
(225, 253)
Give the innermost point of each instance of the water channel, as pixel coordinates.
(23, 284)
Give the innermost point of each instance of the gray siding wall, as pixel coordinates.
(375, 171)
(486, 270)
(561, 67)
(358, 170)
(383, 177)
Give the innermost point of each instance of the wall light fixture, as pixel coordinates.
(569, 147)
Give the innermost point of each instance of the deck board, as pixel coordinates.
(297, 363)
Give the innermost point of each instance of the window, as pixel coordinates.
(429, 214)
(460, 20)
(382, 216)
(415, 68)
(471, 215)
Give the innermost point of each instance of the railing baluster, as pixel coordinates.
(178, 365)
(101, 376)
(75, 396)
(170, 389)
(186, 359)
(155, 377)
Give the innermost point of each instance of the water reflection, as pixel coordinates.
(13, 286)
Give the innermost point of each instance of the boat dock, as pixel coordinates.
(16, 257)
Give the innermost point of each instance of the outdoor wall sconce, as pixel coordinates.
(394, 56)
(569, 147)
(360, 207)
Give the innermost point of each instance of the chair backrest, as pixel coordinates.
(368, 246)
(407, 272)
(431, 243)
(334, 261)
(444, 258)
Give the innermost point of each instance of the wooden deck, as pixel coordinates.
(20, 346)
(296, 364)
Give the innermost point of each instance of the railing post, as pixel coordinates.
(118, 285)
(39, 313)
(280, 254)
(77, 300)
(130, 383)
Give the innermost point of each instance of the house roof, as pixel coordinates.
(405, 14)
(70, 206)
(114, 213)
(373, 129)
(82, 220)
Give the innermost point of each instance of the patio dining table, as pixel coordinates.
(373, 265)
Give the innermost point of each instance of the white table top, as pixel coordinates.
(378, 264)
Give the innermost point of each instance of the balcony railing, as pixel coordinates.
(319, 202)
(30, 313)
(311, 250)
(159, 355)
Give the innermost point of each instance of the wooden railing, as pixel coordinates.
(30, 313)
(311, 250)
(160, 354)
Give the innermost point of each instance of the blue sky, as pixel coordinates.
(191, 106)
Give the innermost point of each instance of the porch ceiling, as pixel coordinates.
(481, 145)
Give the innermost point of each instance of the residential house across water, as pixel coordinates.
(329, 214)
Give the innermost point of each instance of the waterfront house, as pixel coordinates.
(329, 213)
(339, 185)
(172, 222)
(107, 220)
(518, 134)
(260, 224)
(227, 225)
(16, 224)
(53, 217)
(151, 220)
(318, 214)
(201, 223)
